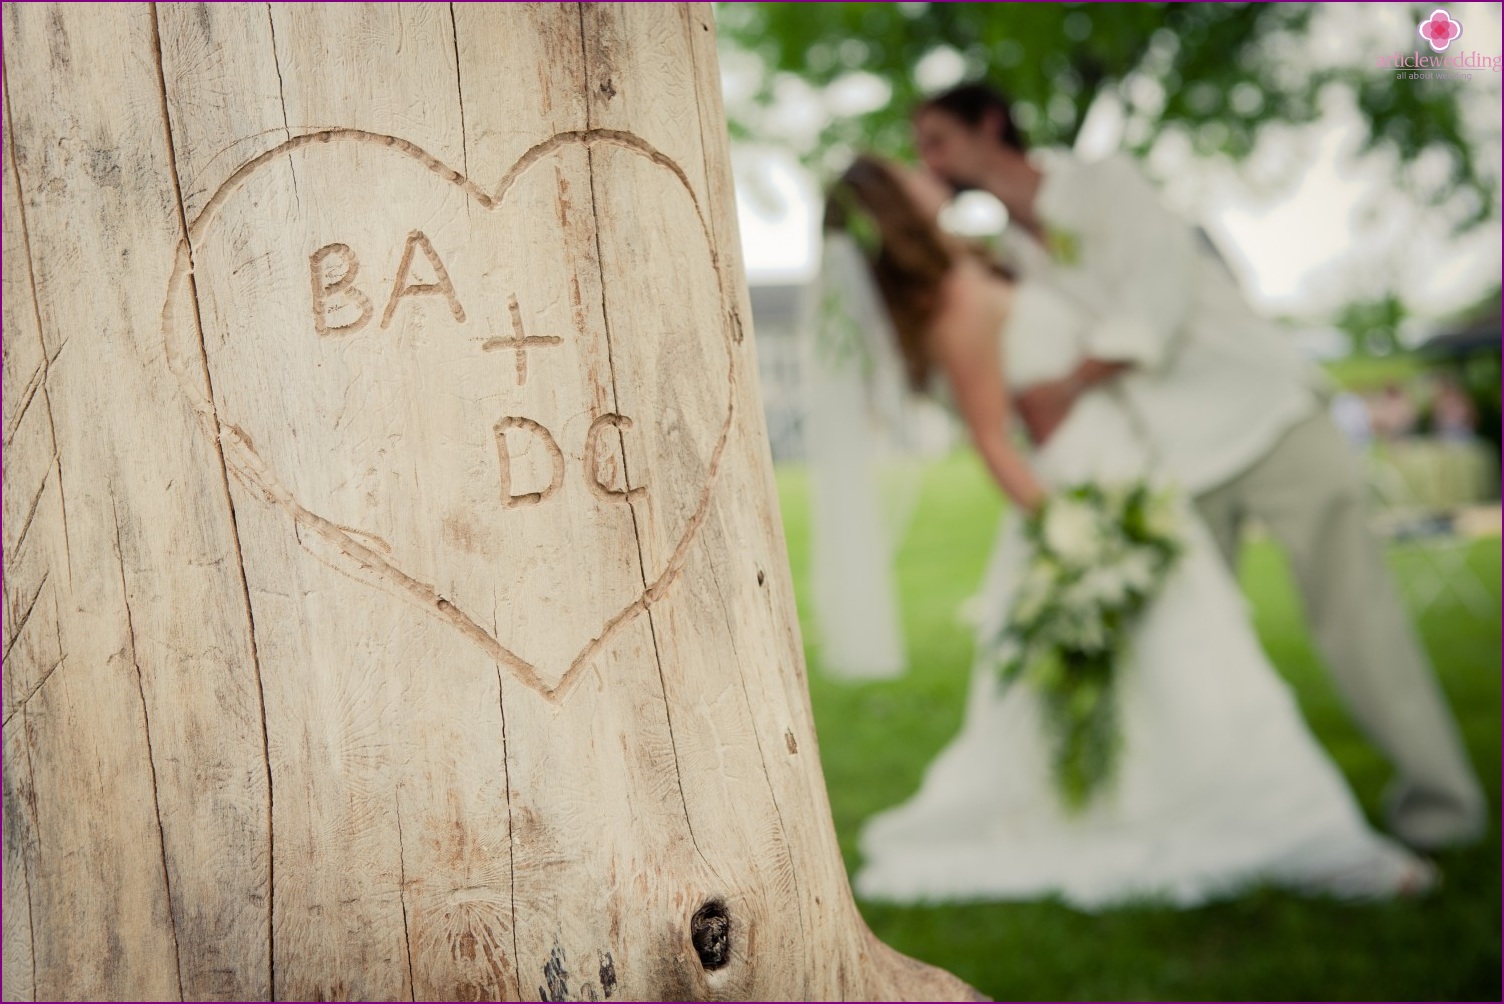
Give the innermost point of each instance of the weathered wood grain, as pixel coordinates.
(396, 604)
(144, 742)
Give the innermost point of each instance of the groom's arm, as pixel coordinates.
(1140, 256)
(1044, 406)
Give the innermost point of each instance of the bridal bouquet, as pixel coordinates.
(1100, 553)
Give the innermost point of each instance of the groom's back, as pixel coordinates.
(1215, 382)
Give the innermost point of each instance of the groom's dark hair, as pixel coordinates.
(971, 102)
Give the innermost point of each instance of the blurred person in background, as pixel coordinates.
(1453, 417)
(1393, 413)
(1235, 413)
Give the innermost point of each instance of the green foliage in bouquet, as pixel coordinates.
(1100, 554)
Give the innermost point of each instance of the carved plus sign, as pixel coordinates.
(519, 341)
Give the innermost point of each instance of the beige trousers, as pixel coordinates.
(1309, 493)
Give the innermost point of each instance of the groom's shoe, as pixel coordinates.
(1428, 821)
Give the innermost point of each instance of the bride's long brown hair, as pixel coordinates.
(908, 254)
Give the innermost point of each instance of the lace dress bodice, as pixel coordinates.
(1043, 337)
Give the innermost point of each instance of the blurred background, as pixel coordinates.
(1360, 208)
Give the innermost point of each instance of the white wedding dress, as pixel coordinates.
(1220, 784)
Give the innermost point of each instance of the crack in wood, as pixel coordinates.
(28, 393)
(151, 760)
(733, 313)
(271, 26)
(595, 216)
(185, 254)
(31, 512)
(506, 775)
(459, 91)
(36, 313)
(29, 815)
(32, 691)
(407, 940)
(17, 629)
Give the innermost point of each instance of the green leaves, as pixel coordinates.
(1216, 72)
(1082, 714)
(1099, 555)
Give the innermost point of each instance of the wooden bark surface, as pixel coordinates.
(396, 604)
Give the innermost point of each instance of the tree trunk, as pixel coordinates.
(396, 603)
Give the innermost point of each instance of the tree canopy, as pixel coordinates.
(1217, 72)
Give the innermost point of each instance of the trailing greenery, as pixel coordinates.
(876, 739)
(1098, 555)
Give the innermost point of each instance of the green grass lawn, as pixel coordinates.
(876, 738)
(1368, 373)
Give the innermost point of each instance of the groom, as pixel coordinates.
(1235, 415)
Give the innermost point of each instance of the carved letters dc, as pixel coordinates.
(332, 272)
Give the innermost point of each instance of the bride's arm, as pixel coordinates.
(964, 340)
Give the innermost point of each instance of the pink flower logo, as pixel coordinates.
(1439, 29)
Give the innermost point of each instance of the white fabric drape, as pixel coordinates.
(855, 400)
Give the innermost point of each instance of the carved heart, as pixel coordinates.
(427, 423)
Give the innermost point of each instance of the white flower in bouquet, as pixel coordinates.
(1107, 584)
(1091, 634)
(1072, 530)
(1076, 624)
(1161, 516)
(1136, 571)
(1079, 598)
(1115, 496)
(1036, 591)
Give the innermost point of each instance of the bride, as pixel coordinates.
(1219, 784)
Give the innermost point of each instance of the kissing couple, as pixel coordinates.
(1125, 350)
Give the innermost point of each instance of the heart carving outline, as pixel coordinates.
(239, 456)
